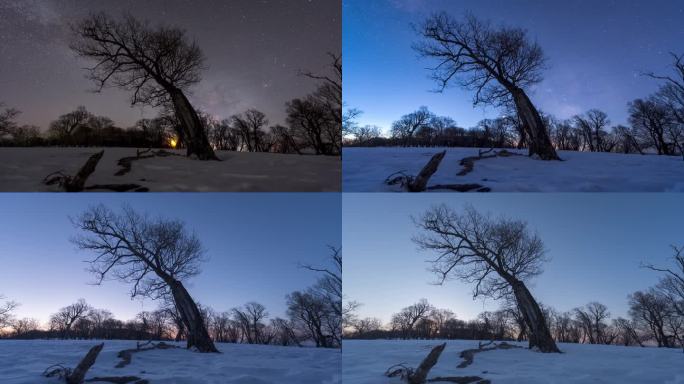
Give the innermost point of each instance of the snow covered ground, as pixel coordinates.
(365, 361)
(23, 361)
(365, 170)
(23, 170)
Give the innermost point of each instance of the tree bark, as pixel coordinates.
(194, 134)
(419, 184)
(196, 332)
(537, 135)
(77, 376)
(538, 331)
(420, 375)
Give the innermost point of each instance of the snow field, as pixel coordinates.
(365, 170)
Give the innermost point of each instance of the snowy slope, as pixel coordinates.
(365, 169)
(365, 362)
(22, 362)
(23, 169)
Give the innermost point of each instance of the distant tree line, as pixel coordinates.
(655, 317)
(656, 125)
(314, 317)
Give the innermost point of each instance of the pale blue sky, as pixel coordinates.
(254, 244)
(596, 243)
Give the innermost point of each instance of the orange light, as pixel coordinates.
(173, 143)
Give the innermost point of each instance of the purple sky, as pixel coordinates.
(254, 243)
(254, 50)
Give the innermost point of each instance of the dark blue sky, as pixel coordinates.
(254, 243)
(596, 52)
(596, 243)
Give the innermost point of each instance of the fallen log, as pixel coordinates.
(76, 375)
(75, 183)
(417, 183)
(468, 355)
(468, 163)
(126, 163)
(426, 365)
(419, 375)
(126, 355)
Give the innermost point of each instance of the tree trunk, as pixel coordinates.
(78, 374)
(196, 332)
(194, 135)
(538, 331)
(537, 135)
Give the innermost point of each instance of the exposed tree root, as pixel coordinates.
(118, 380)
(127, 354)
(127, 162)
(76, 375)
(419, 375)
(468, 163)
(469, 354)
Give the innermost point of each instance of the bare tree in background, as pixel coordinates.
(250, 317)
(325, 297)
(498, 63)
(407, 126)
(650, 309)
(7, 120)
(497, 255)
(154, 255)
(23, 327)
(6, 310)
(407, 318)
(594, 127)
(671, 285)
(329, 97)
(65, 318)
(66, 125)
(592, 320)
(251, 125)
(651, 122)
(157, 64)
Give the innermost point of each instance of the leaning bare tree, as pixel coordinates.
(498, 63)
(497, 255)
(154, 255)
(157, 64)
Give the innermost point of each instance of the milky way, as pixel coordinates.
(254, 51)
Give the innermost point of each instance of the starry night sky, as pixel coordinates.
(254, 50)
(596, 50)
